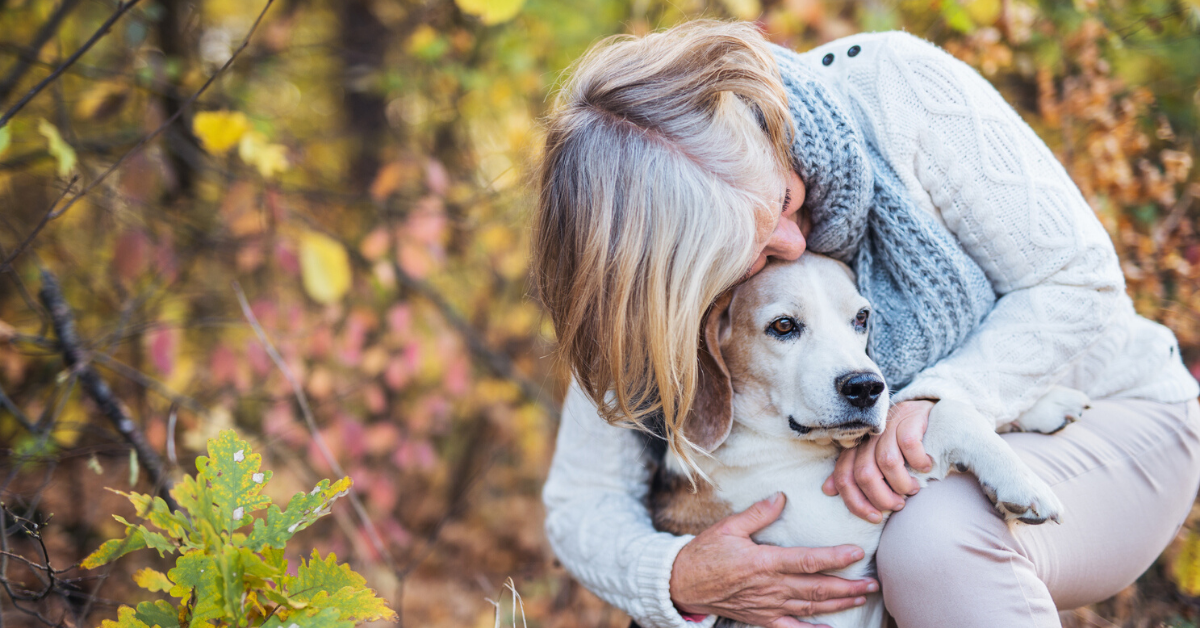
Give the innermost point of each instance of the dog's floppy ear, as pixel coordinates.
(711, 417)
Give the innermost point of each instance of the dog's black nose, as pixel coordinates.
(862, 390)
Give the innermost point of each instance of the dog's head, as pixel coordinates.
(785, 352)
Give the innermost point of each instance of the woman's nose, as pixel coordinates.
(787, 242)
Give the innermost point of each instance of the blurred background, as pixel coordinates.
(361, 169)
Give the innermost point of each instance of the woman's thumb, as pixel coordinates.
(758, 516)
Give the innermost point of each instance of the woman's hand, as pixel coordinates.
(723, 572)
(872, 478)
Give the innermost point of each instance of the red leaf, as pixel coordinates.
(130, 253)
(353, 436)
(397, 373)
(436, 177)
(458, 376)
(400, 320)
(222, 365)
(164, 343)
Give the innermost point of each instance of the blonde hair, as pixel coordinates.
(660, 151)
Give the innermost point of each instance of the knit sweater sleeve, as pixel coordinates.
(597, 521)
(1012, 206)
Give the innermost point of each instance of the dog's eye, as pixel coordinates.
(783, 327)
(860, 319)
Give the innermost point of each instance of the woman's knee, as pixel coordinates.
(947, 528)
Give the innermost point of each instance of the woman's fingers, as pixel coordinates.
(822, 588)
(758, 516)
(890, 458)
(870, 479)
(845, 485)
(910, 434)
(801, 608)
(811, 560)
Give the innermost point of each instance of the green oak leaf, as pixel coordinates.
(151, 538)
(126, 618)
(302, 510)
(152, 580)
(197, 577)
(158, 613)
(229, 564)
(325, 584)
(231, 471)
(113, 549)
(156, 511)
(324, 618)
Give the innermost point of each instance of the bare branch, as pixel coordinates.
(76, 359)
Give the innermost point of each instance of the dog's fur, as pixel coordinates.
(777, 409)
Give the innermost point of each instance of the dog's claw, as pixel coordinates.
(1023, 497)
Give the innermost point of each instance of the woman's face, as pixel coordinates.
(781, 233)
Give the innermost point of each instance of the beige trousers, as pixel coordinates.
(1127, 474)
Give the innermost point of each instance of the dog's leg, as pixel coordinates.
(1058, 408)
(961, 438)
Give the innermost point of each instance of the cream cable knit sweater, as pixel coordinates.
(1062, 315)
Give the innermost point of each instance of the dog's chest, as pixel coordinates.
(810, 518)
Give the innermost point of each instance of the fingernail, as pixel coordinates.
(913, 492)
(857, 554)
(898, 506)
(874, 517)
(859, 601)
(774, 499)
(873, 587)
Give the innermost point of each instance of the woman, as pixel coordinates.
(679, 163)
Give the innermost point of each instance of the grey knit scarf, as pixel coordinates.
(927, 293)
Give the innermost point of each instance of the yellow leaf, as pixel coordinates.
(1186, 568)
(152, 580)
(69, 426)
(59, 149)
(219, 131)
(744, 9)
(324, 267)
(491, 11)
(270, 159)
(422, 38)
(983, 11)
(5, 138)
(102, 101)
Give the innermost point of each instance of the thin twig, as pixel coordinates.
(306, 410)
(50, 215)
(24, 62)
(100, 32)
(149, 383)
(15, 410)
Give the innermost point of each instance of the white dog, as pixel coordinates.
(786, 383)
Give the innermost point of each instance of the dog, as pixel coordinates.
(785, 385)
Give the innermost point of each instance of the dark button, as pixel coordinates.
(854, 50)
(828, 59)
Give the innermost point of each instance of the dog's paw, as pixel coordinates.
(1021, 496)
(1058, 408)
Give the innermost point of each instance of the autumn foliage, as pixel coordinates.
(359, 173)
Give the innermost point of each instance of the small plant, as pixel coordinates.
(231, 570)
